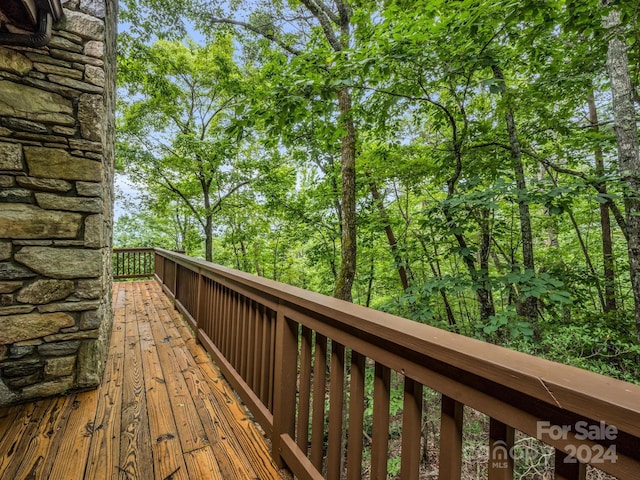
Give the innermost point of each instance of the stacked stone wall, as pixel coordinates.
(56, 204)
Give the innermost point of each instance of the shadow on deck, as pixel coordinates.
(163, 411)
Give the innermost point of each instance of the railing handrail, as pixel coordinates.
(515, 388)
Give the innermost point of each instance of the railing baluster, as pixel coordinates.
(257, 352)
(242, 301)
(411, 430)
(380, 427)
(211, 309)
(216, 315)
(224, 320)
(235, 336)
(501, 438)
(178, 285)
(249, 344)
(242, 337)
(568, 468)
(451, 439)
(304, 398)
(319, 388)
(233, 330)
(272, 354)
(204, 301)
(264, 378)
(200, 301)
(356, 417)
(285, 376)
(336, 407)
(231, 308)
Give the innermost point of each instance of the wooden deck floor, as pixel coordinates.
(163, 411)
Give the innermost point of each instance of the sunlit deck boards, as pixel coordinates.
(162, 412)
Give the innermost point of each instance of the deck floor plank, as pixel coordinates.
(7, 418)
(241, 428)
(44, 439)
(134, 425)
(162, 411)
(168, 461)
(231, 460)
(202, 463)
(76, 438)
(189, 427)
(20, 431)
(105, 441)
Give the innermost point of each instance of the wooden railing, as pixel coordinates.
(297, 358)
(133, 263)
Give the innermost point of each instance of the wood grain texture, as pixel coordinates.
(105, 445)
(77, 437)
(190, 430)
(163, 411)
(235, 422)
(134, 424)
(202, 463)
(44, 439)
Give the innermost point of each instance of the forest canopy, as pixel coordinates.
(473, 165)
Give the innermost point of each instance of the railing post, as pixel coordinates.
(285, 380)
(450, 439)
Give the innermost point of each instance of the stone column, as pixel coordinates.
(56, 205)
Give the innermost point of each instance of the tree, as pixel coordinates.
(174, 120)
(626, 127)
(458, 134)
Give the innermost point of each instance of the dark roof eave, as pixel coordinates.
(49, 12)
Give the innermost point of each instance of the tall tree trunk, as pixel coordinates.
(485, 243)
(275, 258)
(552, 234)
(329, 20)
(483, 260)
(481, 283)
(628, 150)
(245, 259)
(529, 307)
(372, 272)
(437, 272)
(208, 239)
(605, 219)
(208, 222)
(391, 238)
(587, 259)
(346, 274)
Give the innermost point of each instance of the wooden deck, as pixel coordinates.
(163, 411)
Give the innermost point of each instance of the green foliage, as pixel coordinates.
(432, 141)
(602, 343)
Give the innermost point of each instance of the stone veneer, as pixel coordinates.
(56, 205)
